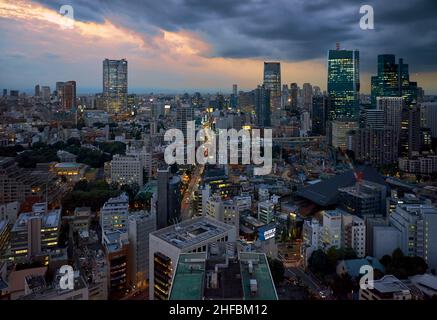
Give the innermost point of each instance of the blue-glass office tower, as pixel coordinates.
(343, 84)
(393, 80)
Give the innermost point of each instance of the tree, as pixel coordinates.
(342, 286)
(277, 269)
(319, 264)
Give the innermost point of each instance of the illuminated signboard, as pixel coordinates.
(266, 232)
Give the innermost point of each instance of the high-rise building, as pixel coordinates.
(319, 115)
(45, 93)
(339, 135)
(37, 90)
(393, 80)
(392, 107)
(307, 95)
(169, 198)
(353, 234)
(141, 224)
(234, 97)
(69, 95)
(428, 112)
(115, 85)
(266, 211)
(377, 146)
(262, 107)
(184, 113)
(272, 82)
(294, 96)
(344, 84)
(374, 118)
(414, 133)
(166, 244)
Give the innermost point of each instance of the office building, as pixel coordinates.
(213, 275)
(418, 165)
(169, 198)
(392, 107)
(37, 90)
(343, 84)
(339, 133)
(330, 235)
(393, 80)
(81, 220)
(417, 224)
(45, 93)
(307, 96)
(114, 214)
(294, 96)
(377, 146)
(68, 94)
(374, 118)
(354, 234)
(262, 107)
(127, 169)
(190, 236)
(266, 211)
(184, 114)
(224, 211)
(141, 224)
(36, 232)
(116, 245)
(428, 112)
(364, 199)
(115, 85)
(319, 115)
(272, 82)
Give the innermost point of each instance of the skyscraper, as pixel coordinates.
(343, 84)
(169, 198)
(115, 85)
(319, 114)
(294, 93)
(69, 95)
(393, 80)
(307, 89)
(37, 90)
(262, 107)
(272, 82)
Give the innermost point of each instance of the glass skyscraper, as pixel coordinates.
(393, 80)
(343, 84)
(272, 82)
(115, 85)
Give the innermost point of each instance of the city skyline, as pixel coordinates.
(189, 53)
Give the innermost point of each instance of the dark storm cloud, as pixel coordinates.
(288, 30)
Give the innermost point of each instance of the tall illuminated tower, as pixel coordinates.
(115, 85)
(343, 83)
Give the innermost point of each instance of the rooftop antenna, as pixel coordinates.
(337, 46)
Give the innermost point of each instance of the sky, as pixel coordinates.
(206, 45)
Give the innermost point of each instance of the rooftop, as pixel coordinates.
(389, 284)
(222, 274)
(326, 192)
(50, 219)
(191, 232)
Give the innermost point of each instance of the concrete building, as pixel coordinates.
(81, 221)
(35, 232)
(387, 288)
(140, 226)
(331, 230)
(169, 198)
(386, 239)
(354, 234)
(266, 211)
(339, 135)
(365, 199)
(224, 211)
(417, 224)
(166, 244)
(127, 169)
(9, 211)
(114, 214)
